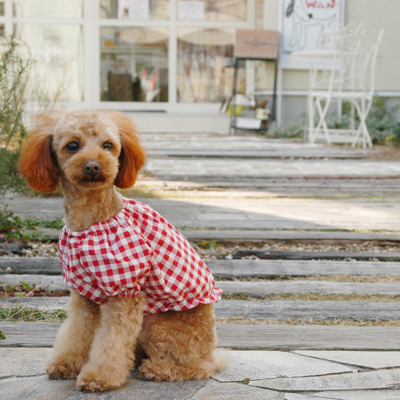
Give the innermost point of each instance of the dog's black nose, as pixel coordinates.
(92, 168)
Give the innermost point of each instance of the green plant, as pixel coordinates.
(14, 67)
(294, 130)
(381, 123)
(14, 227)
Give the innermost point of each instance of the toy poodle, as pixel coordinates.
(140, 294)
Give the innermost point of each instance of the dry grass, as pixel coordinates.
(17, 313)
(376, 298)
(317, 322)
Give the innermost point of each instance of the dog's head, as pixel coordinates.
(89, 149)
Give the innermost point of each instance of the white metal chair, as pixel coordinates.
(343, 71)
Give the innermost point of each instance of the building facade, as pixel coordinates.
(169, 62)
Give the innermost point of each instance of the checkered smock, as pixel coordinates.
(136, 251)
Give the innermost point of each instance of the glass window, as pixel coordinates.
(57, 53)
(48, 8)
(1, 8)
(1, 29)
(204, 67)
(212, 10)
(135, 9)
(134, 64)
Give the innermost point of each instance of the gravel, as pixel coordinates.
(226, 251)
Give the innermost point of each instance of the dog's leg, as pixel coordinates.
(181, 345)
(71, 350)
(112, 352)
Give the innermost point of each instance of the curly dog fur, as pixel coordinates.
(100, 344)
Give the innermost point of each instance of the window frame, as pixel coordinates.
(92, 24)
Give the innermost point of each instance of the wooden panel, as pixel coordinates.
(31, 265)
(278, 310)
(259, 289)
(254, 289)
(227, 268)
(308, 310)
(272, 337)
(313, 255)
(270, 268)
(256, 44)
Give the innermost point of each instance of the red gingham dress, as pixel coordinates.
(136, 251)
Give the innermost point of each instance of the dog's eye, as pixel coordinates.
(108, 146)
(72, 147)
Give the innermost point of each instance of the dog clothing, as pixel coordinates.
(136, 251)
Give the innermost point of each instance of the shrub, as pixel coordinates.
(14, 69)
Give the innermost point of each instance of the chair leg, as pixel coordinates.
(311, 138)
(322, 115)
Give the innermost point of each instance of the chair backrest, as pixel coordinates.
(363, 73)
(335, 57)
(350, 58)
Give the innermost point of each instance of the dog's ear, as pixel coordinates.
(38, 164)
(132, 156)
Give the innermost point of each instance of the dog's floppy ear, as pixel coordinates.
(38, 164)
(132, 156)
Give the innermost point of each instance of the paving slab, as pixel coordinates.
(371, 359)
(353, 395)
(257, 365)
(384, 379)
(23, 362)
(44, 388)
(234, 391)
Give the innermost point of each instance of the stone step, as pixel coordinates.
(196, 235)
(314, 255)
(245, 337)
(222, 235)
(263, 310)
(179, 168)
(253, 154)
(227, 269)
(253, 289)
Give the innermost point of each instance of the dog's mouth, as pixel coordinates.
(93, 179)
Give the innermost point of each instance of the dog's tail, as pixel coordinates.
(220, 360)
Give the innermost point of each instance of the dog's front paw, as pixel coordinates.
(62, 370)
(153, 372)
(98, 379)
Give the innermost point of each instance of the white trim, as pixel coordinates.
(8, 23)
(280, 67)
(96, 53)
(159, 107)
(197, 24)
(251, 14)
(305, 93)
(52, 21)
(173, 55)
(89, 38)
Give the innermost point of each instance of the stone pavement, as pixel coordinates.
(250, 375)
(220, 189)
